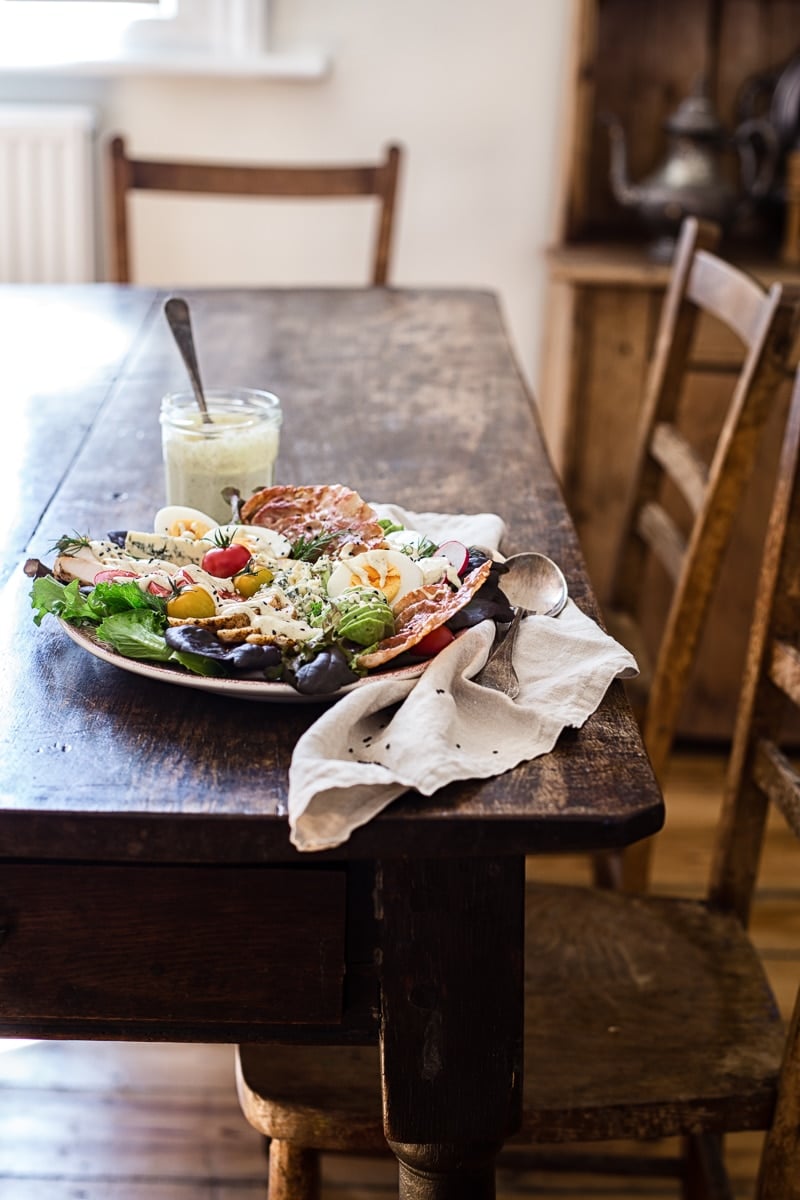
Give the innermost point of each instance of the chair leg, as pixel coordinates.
(705, 1177)
(625, 870)
(294, 1172)
(636, 864)
(607, 870)
(779, 1173)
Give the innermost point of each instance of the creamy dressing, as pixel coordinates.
(101, 558)
(436, 568)
(272, 622)
(237, 449)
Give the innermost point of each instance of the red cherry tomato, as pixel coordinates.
(226, 561)
(110, 576)
(433, 642)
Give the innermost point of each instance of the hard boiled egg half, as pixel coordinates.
(388, 571)
(178, 520)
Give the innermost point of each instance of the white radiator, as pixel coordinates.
(46, 194)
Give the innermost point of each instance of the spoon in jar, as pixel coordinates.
(176, 310)
(536, 586)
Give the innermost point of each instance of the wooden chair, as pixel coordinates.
(646, 1016)
(790, 249)
(681, 509)
(229, 179)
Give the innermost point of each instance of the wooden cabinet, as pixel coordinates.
(638, 61)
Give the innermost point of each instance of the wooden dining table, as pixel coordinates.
(148, 887)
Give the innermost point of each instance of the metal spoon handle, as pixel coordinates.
(176, 310)
(498, 671)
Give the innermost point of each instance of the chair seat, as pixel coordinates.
(627, 996)
(622, 994)
(316, 1097)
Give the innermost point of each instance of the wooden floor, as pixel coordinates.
(82, 1121)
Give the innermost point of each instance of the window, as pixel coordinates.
(62, 31)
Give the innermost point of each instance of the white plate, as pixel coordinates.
(241, 689)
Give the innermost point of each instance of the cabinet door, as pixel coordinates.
(612, 335)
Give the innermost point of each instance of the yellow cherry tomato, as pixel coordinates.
(192, 602)
(248, 583)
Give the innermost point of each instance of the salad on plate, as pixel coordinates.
(306, 588)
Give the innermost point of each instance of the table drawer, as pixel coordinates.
(195, 946)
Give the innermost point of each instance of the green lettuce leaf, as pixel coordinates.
(136, 634)
(65, 600)
(389, 526)
(108, 598)
(198, 663)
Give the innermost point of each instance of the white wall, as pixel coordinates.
(472, 89)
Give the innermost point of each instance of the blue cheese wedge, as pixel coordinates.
(182, 551)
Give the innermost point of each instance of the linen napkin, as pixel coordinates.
(381, 740)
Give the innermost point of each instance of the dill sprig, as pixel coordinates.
(70, 543)
(424, 548)
(309, 549)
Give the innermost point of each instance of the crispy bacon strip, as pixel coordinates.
(314, 510)
(422, 611)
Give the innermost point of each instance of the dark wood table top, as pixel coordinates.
(410, 396)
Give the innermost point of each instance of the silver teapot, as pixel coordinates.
(691, 180)
(768, 109)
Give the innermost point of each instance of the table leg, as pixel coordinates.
(451, 970)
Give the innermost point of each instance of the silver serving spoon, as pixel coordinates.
(536, 586)
(176, 310)
(534, 582)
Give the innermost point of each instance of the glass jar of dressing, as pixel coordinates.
(237, 448)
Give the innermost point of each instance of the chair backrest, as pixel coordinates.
(765, 322)
(761, 773)
(229, 179)
(790, 250)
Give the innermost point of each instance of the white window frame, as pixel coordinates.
(235, 25)
(108, 37)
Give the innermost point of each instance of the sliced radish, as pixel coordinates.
(456, 554)
(158, 589)
(108, 576)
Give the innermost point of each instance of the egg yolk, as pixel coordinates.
(388, 583)
(188, 527)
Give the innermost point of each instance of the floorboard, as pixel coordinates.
(123, 1121)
